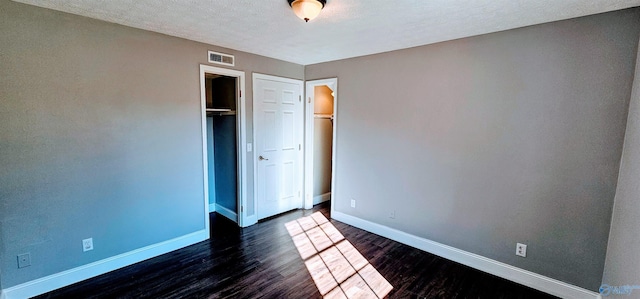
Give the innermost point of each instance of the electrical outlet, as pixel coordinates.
(521, 249)
(353, 203)
(87, 244)
(392, 214)
(24, 260)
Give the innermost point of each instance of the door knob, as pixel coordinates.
(262, 158)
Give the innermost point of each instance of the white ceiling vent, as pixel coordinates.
(221, 58)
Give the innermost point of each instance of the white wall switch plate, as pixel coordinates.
(249, 147)
(353, 203)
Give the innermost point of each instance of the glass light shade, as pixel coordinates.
(306, 9)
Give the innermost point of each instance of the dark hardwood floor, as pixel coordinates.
(262, 261)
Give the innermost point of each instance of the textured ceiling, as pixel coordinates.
(345, 28)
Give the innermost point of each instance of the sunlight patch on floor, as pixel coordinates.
(337, 268)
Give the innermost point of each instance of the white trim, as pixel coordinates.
(258, 76)
(243, 220)
(253, 137)
(212, 207)
(521, 276)
(334, 150)
(321, 198)
(205, 163)
(3, 294)
(68, 277)
(250, 220)
(227, 213)
(241, 106)
(332, 83)
(309, 104)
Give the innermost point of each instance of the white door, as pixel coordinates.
(278, 127)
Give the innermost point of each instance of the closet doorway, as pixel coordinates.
(224, 140)
(320, 136)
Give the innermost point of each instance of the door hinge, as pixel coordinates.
(300, 98)
(298, 193)
(241, 209)
(309, 100)
(240, 92)
(299, 147)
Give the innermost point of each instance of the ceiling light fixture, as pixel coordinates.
(307, 9)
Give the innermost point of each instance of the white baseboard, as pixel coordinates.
(65, 278)
(212, 207)
(321, 198)
(227, 213)
(2, 295)
(515, 274)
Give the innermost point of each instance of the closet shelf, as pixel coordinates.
(327, 116)
(219, 112)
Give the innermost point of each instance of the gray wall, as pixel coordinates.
(622, 266)
(483, 142)
(100, 136)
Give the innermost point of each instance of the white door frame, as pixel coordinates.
(332, 83)
(241, 126)
(257, 76)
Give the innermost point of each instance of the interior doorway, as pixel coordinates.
(224, 137)
(222, 144)
(320, 137)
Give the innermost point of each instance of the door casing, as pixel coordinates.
(243, 219)
(332, 83)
